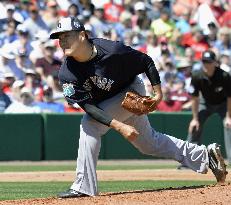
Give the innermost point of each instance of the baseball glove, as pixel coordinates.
(138, 104)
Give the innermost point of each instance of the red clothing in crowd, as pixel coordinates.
(217, 11)
(169, 106)
(112, 12)
(48, 68)
(70, 109)
(198, 46)
(225, 19)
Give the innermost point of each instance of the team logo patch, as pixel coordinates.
(68, 89)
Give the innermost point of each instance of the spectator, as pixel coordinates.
(112, 11)
(10, 17)
(51, 14)
(184, 71)
(181, 32)
(98, 21)
(182, 23)
(23, 42)
(24, 6)
(203, 20)
(195, 40)
(48, 64)
(10, 34)
(224, 40)
(155, 10)
(24, 105)
(224, 20)
(225, 61)
(34, 23)
(181, 95)
(212, 35)
(167, 104)
(38, 45)
(53, 83)
(124, 25)
(151, 46)
(163, 26)
(9, 80)
(22, 61)
(4, 99)
(32, 80)
(73, 10)
(48, 105)
(16, 90)
(86, 5)
(6, 60)
(140, 20)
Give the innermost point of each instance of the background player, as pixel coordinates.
(214, 84)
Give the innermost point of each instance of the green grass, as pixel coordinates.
(31, 168)
(25, 190)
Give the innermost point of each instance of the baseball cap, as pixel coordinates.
(50, 44)
(208, 56)
(139, 6)
(67, 24)
(18, 83)
(10, 7)
(183, 63)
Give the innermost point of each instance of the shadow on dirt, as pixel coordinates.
(156, 190)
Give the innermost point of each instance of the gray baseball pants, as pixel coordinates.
(149, 142)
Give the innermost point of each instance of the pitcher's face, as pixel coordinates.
(69, 42)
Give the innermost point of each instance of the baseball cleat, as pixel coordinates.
(71, 194)
(216, 162)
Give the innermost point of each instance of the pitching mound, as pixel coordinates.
(217, 194)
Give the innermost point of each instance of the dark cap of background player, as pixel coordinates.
(67, 24)
(208, 56)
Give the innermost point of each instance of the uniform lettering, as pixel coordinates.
(87, 85)
(109, 83)
(102, 83)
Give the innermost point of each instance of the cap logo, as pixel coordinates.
(59, 25)
(207, 55)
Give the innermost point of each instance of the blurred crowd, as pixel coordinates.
(174, 33)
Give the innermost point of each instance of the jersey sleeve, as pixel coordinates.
(136, 62)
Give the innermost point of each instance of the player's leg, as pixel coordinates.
(85, 183)
(196, 157)
(90, 141)
(155, 143)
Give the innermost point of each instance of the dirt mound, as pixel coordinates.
(217, 194)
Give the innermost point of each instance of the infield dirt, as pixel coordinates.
(216, 194)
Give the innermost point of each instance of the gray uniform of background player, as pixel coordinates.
(87, 81)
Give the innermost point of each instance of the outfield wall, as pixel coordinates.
(55, 136)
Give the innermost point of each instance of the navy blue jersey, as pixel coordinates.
(113, 69)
